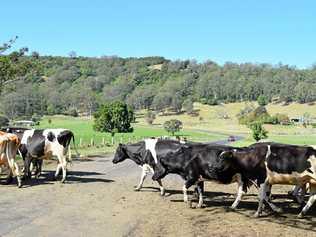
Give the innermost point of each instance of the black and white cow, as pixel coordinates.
(274, 163)
(144, 154)
(196, 163)
(39, 144)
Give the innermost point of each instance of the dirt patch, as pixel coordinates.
(98, 200)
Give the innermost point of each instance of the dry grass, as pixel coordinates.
(208, 119)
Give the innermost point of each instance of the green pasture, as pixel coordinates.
(288, 139)
(88, 139)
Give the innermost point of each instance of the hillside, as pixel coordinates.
(78, 85)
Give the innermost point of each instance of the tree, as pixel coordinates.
(114, 117)
(172, 126)
(258, 132)
(262, 100)
(16, 66)
(150, 117)
(188, 105)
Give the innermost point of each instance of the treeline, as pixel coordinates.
(79, 85)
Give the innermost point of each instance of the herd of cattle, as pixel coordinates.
(261, 164)
(34, 145)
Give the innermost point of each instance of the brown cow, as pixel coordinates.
(9, 144)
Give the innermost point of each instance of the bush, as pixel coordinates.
(258, 132)
(282, 119)
(188, 105)
(259, 114)
(4, 121)
(262, 100)
(36, 119)
(150, 117)
(172, 126)
(72, 112)
(114, 117)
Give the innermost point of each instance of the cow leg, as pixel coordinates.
(240, 192)
(38, 168)
(18, 174)
(64, 168)
(57, 170)
(310, 201)
(142, 178)
(199, 187)
(27, 163)
(162, 189)
(262, 197)
(186, 186)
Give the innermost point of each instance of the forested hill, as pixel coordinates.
(80, 84)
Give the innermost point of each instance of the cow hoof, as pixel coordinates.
(256, 215)
(278, 210)
(199, 206)
(162, 193)
(136, 189)
(189, 204)
(19, 183)
(300, 216)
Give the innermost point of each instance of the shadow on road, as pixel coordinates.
(219, 202)
(48, 178)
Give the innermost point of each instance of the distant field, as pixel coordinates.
(288, 139)
(206, 126)
(83, 130)
(208, 118)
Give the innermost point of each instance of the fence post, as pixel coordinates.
(92, 142)
(80, 142)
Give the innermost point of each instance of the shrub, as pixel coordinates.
(172, 126)
(4, 121)
(188, 105)
(262, 100)
(114, 117)
(150, 117)
(258, 132)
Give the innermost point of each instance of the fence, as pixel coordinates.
(99, 142)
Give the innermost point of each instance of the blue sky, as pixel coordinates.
(269, 31)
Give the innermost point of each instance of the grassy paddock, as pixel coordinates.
(287, 139)
(83, 130)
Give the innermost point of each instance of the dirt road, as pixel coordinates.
(98, 200)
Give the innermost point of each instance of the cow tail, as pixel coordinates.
(74, 144)
(69, 155)
(8, 154)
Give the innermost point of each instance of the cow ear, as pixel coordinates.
(226, 155)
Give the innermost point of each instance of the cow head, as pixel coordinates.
(120, 154)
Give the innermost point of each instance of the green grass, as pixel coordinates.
(83, 130)
(287, 139)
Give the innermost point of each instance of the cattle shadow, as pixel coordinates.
(148, 189)
(48, 178)
(220, 202)
(247, 208)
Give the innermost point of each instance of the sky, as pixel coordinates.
(269, 31)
